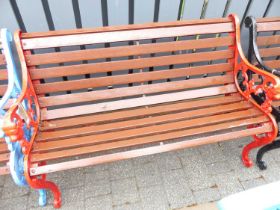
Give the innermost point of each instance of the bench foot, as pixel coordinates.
(43, 185)
(257, 142)
(260, 163)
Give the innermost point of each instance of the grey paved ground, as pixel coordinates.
(159, 182)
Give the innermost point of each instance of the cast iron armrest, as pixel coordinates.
(269, 86)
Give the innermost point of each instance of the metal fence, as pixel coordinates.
(44, 15)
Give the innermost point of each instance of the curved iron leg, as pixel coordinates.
(245, 153)
(260, 163)
(42, 185)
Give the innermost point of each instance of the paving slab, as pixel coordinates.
(185, 179)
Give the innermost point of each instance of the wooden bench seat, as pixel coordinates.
(157, 124)
(113, 93)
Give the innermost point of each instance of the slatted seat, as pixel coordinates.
(112, 93)
(141, 126)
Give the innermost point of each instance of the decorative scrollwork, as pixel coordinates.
(21, 120)
(259, 85)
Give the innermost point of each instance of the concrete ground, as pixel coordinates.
(174, 180)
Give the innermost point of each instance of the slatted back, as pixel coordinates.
(268, 40)
(86, 71)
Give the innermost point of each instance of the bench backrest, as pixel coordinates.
(86, 71)
(268, 40)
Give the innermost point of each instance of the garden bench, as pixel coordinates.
(113, 93)
(264, 52)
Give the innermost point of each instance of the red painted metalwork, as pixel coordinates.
(270, 86)
(17, 115)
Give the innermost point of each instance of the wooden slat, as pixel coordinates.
(268, 19)
(267, 52)
(3, 146)
(3, 74)
(268, 40)
(4, 170)
(126, 27)
(4, 157)
(2, 59)
(145, 140)
(3, 89)
(118, 36)
(138, 112)
(125, 79)
(273, 63)
(92, 54)
(107, 158)
(200, 122)
(271, 26)
(128, 64)
(136, 102)
(132, 123)
(276, 103)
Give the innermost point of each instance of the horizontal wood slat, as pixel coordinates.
(129, 35)
(273, 63)
(4, 170)
(145, 140)
(267, 52)
(276, 103)
(3, 74)
(147, 130)
(3, 89)
(271, 26)
(125, 79)
(268, 40)
(3, 146)
(4, 157)
(267, 19)
(138, 112)
(150, 120)
(107, 158)
(128, 64)
(126, 27)
(112, 52)
(2, 59)
(136, 102)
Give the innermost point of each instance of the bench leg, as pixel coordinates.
(257, 142)
(260, 163)
(41, 184)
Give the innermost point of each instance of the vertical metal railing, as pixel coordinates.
(51, 26)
